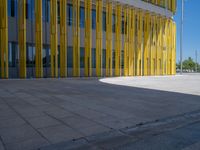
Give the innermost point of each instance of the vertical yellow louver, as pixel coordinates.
(54, 39)
(158, 48)
(88, 39)
(118, 40)
(168, 46)
(131, 42)
(99, 9)
(126, 41)
(38, 39)
(153, 46)
(174, 6)
(165, 47)
(161, 45)
(139, 42)
(22, 37)
(76, 38)
(108, 39)
(63, 39)
(146, 43)
(3, 39)
(171, 47)
(174, 49)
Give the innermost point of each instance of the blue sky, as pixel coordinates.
(191, 37)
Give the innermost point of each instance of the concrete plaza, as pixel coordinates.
(74, 112)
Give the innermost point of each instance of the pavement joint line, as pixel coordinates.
(3, 144)
(169, 119)
(143, 128)
(27, 121)
(77, 113)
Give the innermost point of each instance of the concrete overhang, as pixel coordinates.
(146, 6)
(139, 4)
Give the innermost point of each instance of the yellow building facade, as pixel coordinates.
(121, 39)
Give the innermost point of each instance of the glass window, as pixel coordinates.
(44, 58)
(113, 59)
(58, 11)
(46, 10)
(122, 59)
(82, 17)
(70, 14)
(48, 57)
(93, 58)
(82, 57)
(10, 54)
(69, 57)
(113, 23)
(104, 58)
(33, 9)
(28, 9)
(104, 21)
(30, 55)
(11, 8)
(58, 56)
(93, 19)
(122, 25)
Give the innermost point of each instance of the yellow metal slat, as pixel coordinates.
(118, 41)
(4, 39)
(158, 48)
(99, 9)
(126, 41)
(146, 43)
(76, 38)
(108, 39)
(153, 46)
(171, 47)
(54, 39)
(174, 3)
(88, 39)
(63, 39)
(165, 47)
(161, 45)
(139, 42)
(38, 40)
(168, 46)
(174, 50)
(131, 41)
(22, 37)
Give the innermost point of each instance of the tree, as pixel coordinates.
(188, 64)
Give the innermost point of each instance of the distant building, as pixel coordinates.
(60, 38)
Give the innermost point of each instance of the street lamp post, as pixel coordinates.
(181, 38)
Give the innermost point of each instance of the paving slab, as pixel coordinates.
(28, 144)
(17, 134)
(43, 121)
(59, 133)
(187, 84)
(59, 110)
(1, 146)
